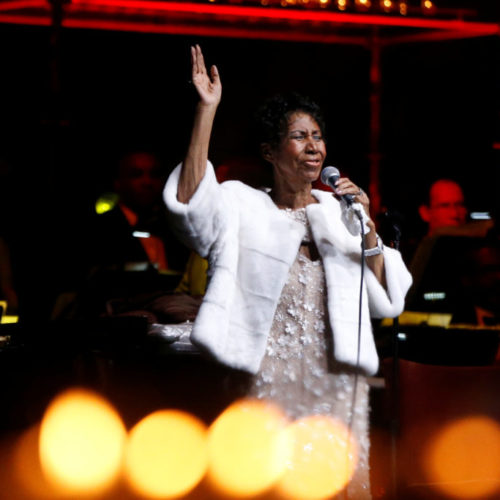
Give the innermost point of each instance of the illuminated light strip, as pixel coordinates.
(20, 19)
(176, 29)
(430, 36)
(434, 296)
(451, 29)
(480, 216)
(141, 234)
(8, 319)
(17, 5)
(229, 32)
(290, 15)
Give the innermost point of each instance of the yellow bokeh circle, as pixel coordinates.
(166, 454)
(323, 461)
(248, 448)
(81, 442)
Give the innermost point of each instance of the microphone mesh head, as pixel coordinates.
(329, 172)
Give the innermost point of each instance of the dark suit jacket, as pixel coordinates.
(110, 250)
(112, 244)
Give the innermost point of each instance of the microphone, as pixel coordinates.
(329, 176)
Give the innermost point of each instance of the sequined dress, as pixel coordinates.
(298, 370)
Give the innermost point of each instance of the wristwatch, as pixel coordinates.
(370, 252)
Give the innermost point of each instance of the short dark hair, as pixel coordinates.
(271, 119)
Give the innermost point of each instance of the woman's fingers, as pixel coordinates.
(194, 63)
(214, 73)
(200, 60)
(346, 186)
(197, 61)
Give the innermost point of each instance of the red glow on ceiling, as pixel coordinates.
(240, 21)
(263, 13)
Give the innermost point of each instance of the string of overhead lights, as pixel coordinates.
(401, 7)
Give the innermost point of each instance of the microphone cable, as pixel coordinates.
(329, 175)
(358, 351)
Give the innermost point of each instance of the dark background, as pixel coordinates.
(122, 91)
(440, 103)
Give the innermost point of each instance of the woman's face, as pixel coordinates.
(301, 153)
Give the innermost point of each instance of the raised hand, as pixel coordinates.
(209, 90)
(209, 87)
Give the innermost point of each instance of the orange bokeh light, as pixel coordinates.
(463, 460)
(323, 462)
(27, 477)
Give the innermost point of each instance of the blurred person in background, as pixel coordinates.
(133, 261)
(444, 207)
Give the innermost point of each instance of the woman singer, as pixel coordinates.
(283, 296)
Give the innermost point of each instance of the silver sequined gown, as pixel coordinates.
(298, 371)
